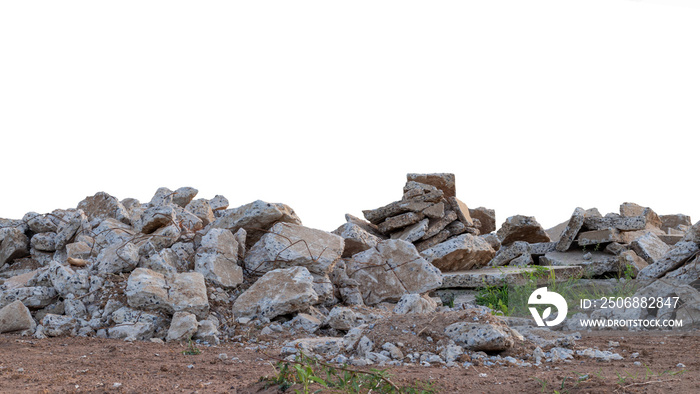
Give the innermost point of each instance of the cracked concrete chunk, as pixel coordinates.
(521, 228)
(480, 337)
(15, 317)
(390, 270)
(357, 238)
(650, 247)
(462, 252)
(14, 245)
(573, 226)
(102, 206)
(442, 181)
(287, 245)
(278, 292)
(256, 218)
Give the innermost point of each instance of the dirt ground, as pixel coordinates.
(108, 365)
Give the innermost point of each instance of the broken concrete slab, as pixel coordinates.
(598, 237)
(220, 269)
(15, 317)
(38, 223)
(183, 326)
(390, 270)
(480, 337)
(14, 245)
(45, 242)
(182, 196)
(521, 228)
(462, 252)
(688, 273)
(484, 277)
(341, 318)
(365, 225)
(414, 204)
(156, 217)
(573, 226)
(675, 222)
(188, 293)
(413, 232)
(594, 263)
(541, 248)
(486, 217)
(414, 189)
(435, 240)
(256, 218)
(437, 225)
(202, 210)
(147, 290)
(435, 211)
(415, 303)
(442, 181)
(630, 209)
(508, 253)
(674, 258)
(66, 281)
(462, 211)
(102, 206)
(630, 260)
(278, 292)
(218, 203)
(357, 238)
(670, 239)
(399, 221)
(59, 325)
(650, 247)
(287, 245)
(217, 258)
(625, 223)
(33, 297)
(118, 258)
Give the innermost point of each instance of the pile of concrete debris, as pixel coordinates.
(177, 268)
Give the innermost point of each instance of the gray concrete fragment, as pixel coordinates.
(15, 317)
(521, 228)
(459, 253)
(650, 247)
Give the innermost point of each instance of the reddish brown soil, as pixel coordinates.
(95, 365)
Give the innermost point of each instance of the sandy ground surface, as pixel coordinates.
(107, 365)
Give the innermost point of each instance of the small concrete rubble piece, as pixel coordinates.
(480, 337)
(521, 228)
(183, 326)
(415, 303)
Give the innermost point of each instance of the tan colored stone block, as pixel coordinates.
(443, 181)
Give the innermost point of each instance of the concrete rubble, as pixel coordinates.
(180, 268)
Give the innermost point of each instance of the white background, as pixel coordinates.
(537, 106)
